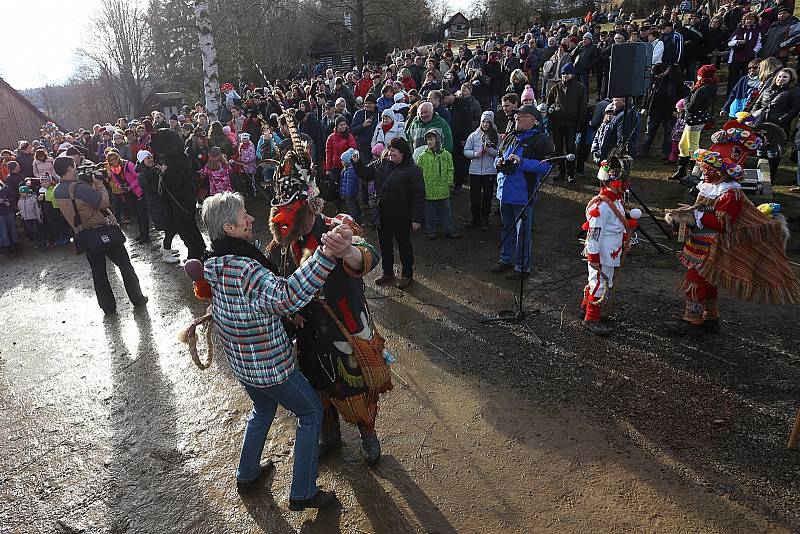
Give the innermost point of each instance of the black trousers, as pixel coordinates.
(564, 140)
(393, 229)
(460, 164)
(118, 254)
(142, 217)
(186, 227)
(481, 192)
(664, 119)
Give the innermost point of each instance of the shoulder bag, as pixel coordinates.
(94, 239)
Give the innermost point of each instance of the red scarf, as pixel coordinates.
(386, 127)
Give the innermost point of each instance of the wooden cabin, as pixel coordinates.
(19, 119)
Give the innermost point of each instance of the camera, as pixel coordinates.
(92, 171)
(505, 166)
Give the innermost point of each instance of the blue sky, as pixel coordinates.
(40, 38)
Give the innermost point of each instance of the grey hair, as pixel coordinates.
(219, 210)
(426, 104)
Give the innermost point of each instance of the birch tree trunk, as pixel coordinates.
(205, 36)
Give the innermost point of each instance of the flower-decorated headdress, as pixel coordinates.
(717, 167)
(737, 140)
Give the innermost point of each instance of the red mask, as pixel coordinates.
(286, 216)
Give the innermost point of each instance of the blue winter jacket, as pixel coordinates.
(384, 103)
(349, 183)
(512, 188)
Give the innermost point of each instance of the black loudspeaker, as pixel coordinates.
(629, 73)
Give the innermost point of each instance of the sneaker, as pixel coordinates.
(384, 279)
(501, 267)
(403, 283)
(320, 500)
(245, 487)
(169, 257)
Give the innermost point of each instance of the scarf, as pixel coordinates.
(386, 127)
(235, 246)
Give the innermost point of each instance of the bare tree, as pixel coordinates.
(205, 35)
(120, 52)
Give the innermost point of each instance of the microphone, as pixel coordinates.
(568, 157)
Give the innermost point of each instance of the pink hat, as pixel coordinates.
(378, 149)
(527, 93)
(680, 104)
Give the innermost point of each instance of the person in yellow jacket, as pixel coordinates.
(437, 173)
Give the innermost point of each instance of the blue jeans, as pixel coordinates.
(8, 230)
(513, 251)
(438, 216)
(296, 395)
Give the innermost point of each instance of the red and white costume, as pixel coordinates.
(606, 231)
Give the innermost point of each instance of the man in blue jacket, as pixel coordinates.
(520, 166)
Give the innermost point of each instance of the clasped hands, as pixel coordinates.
(338, 242)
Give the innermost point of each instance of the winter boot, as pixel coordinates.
(370, 446)
(683, 168)
(596, 327)
(330, 437)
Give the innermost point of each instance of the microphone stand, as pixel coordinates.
(518, 315)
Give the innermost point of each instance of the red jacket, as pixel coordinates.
(335, 146)
(408, 83)
(362, 87)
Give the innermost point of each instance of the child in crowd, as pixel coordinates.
(31, 215)
(599, 136)
(247, 158)
(528, 96)
(545, 122)
(677, 130)
(218, 172)
(53, 220)
(350, 185)
(437, 172)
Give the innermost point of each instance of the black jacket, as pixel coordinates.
(400, 188)
(466, 113)
(570, 99)
(775, 35)
(698, 109)
(778, 105)
(584, 58)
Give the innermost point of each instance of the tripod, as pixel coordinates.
(518, 315)
(622, 147)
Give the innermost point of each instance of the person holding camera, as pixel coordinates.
(481, 149)
(85, 206)
(520, 167)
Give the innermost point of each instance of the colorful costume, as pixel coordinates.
(607, 231)
(729, 243)
(338, 347)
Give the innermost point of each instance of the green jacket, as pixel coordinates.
(415, 132)
(437, 173)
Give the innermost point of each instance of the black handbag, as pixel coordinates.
(333, 183)
(94, 239)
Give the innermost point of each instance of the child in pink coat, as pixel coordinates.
(218, 172)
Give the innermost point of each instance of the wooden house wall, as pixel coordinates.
(19, 119)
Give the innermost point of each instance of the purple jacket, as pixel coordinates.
(744, 53)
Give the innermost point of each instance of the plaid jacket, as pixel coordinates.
(248, 302)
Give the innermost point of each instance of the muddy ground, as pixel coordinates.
(107, 425)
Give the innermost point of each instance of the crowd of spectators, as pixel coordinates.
(453, 106)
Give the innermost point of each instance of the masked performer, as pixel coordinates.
(607, 230)
(729, 243)
(339, 349)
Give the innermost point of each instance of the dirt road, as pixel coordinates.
(108, 426)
